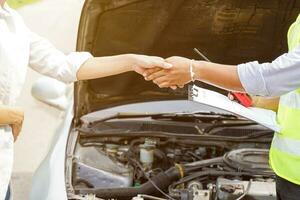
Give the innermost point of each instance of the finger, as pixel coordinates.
(170, 58)
(15, 131)
(151, 71)
(181, 86)
(160, 62)
(161, 80)
(173, 87)
(167, 65)
(157, 75)
(165, 85)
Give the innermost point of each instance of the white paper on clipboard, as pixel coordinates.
(264, 117)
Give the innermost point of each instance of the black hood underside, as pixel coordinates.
(226, 31)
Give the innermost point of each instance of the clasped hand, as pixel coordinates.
(176, 76)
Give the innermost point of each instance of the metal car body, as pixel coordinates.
(129, 139)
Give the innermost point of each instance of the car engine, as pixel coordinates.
(167, 159)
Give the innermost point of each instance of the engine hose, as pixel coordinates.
(161, 180)
(195, 166)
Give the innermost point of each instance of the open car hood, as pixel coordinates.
(227, 31)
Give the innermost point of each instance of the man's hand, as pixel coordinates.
(144, 72)
(178, 75)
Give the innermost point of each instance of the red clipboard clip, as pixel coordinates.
(242, 98)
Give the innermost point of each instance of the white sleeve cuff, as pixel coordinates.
(252, 80)
(77, 59)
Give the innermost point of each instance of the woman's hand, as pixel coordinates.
(18, 116)
(178, 75)
(13, 117)
(146, 62)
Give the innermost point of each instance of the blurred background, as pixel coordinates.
(56, 20)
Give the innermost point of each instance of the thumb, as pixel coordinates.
(162, 64)
(167, 65)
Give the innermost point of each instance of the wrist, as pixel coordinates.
(199, 68)
(192, 70)
(131, 61)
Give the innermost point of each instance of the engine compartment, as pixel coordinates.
(172, 157)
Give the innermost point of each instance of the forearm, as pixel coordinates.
(223, 76)
(99, 67)
(226, 76)
(267, 79)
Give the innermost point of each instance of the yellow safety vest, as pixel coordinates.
(285, 149)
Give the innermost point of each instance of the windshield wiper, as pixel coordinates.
(173, 116)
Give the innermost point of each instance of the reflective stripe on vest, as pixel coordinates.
(285, 149)
(286, 165)
(287, 145)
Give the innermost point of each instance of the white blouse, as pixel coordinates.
(19, 48)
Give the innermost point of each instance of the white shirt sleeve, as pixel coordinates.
(272, 79)
(47, 60)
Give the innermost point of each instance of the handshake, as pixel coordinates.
(174, 72)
